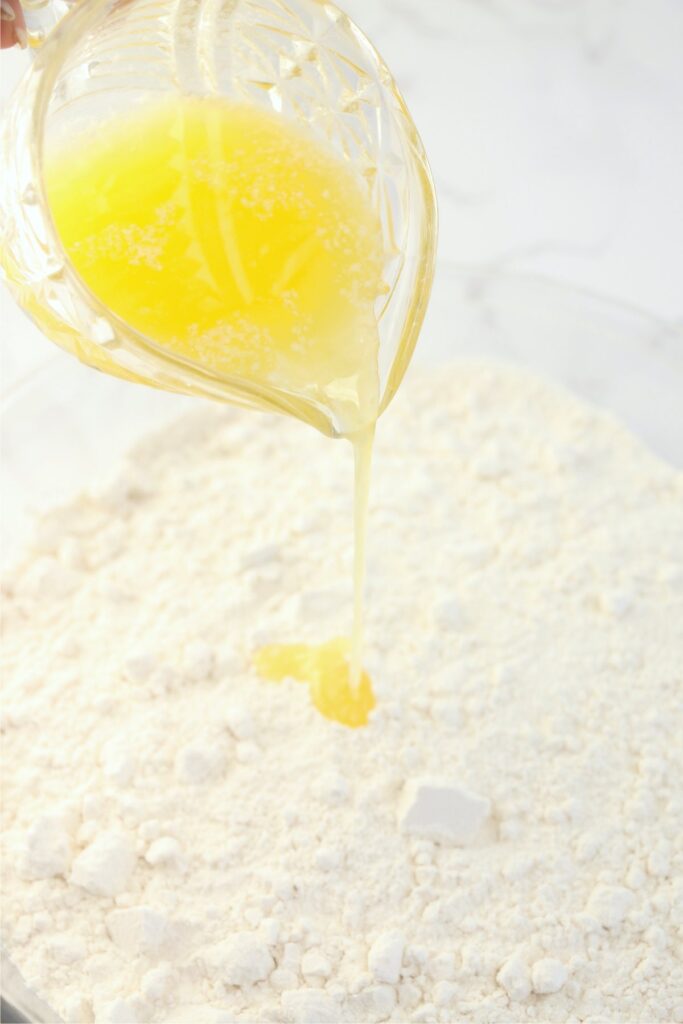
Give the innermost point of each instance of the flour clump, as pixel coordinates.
(105, 866)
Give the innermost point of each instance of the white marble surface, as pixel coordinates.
(554, 132)
(554, 129)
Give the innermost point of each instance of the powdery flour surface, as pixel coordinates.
(504, 841)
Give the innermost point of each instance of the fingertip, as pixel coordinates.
(12, 25)
(7, 36)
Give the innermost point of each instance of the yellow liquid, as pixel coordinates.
(326, 670)
(338, 686)
(232, 239)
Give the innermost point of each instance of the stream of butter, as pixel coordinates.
(339, 687)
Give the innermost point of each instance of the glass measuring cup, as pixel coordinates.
(303, 59)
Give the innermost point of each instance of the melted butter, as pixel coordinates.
(231, 238)
(327, 671)
(339, 687)
(362, 457)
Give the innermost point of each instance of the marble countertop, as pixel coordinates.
(554, 132)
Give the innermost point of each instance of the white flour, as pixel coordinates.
(504, 842)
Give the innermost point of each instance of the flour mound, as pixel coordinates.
(182, 841)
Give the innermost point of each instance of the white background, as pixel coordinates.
(555, 131)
